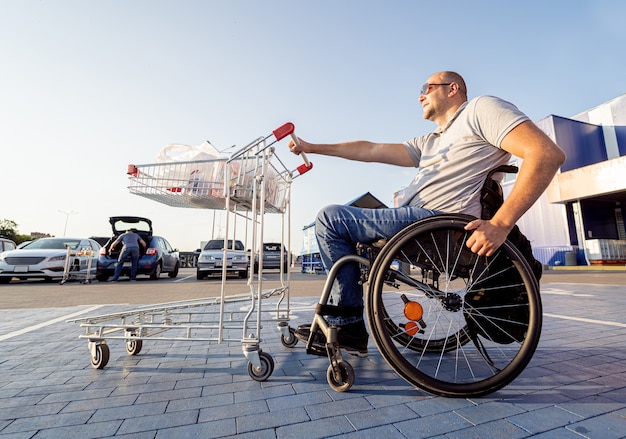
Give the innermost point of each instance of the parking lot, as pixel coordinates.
(574, 387)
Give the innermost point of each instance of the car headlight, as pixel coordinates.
(206, 258)
(239, 258)
(57, 258)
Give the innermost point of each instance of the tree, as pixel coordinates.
(8, 229)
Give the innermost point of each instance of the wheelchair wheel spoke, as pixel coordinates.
(447, 320)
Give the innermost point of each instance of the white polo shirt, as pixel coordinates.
(453, 162)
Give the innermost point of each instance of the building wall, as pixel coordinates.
(591, 182)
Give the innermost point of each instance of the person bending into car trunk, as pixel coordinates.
(472, 138)
(130, 249)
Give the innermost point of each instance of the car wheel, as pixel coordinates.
(243, 274)
(174, 272)
(102, 277)
(199, 275)
(5, 280)
(156, 273)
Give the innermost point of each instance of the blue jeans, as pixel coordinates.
(133, 253)
(338, 228)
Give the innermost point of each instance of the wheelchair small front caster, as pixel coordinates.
(340, 376)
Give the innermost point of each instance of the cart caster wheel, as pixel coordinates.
(100, 358)
(133, 347)
(291, 340)
(344, 381)
(265, 371)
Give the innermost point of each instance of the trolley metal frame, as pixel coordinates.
(249, 184)
(69, 269)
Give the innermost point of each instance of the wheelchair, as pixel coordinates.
(446, 320)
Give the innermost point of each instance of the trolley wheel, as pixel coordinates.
(343, 380)
(265, 371)
(100, 358)
(451, 322)
(291, 340)
(133, 347)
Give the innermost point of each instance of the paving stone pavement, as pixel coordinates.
(575, 385)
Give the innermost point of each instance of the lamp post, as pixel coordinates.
(67, 217)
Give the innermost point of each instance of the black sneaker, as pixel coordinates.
(352, 338)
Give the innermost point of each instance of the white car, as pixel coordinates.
(211, 259)
(45, 259)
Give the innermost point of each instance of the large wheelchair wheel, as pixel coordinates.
(447, 320)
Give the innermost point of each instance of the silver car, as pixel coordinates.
(211, 259)
(45, 259)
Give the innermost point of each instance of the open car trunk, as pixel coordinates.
(120, 224)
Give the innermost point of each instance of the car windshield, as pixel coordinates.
(219, 245)
(58, 244)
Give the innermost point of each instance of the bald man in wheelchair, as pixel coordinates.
(471, 139)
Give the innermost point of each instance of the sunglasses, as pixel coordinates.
(427, 88)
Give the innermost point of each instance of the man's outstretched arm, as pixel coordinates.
(359, 150)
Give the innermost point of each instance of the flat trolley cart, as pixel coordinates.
(249, 184)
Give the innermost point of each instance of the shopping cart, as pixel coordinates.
(78, 264)
(253, 181)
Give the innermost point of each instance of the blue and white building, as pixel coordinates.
(579, 220)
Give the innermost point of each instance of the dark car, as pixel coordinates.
(273, 258)
(158, 257)
(102, 240)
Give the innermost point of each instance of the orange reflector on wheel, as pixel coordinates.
(413, 311)
(411, 328)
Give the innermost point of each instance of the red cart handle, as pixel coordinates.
(287, 129)
(284, 130)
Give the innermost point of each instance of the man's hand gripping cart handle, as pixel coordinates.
(285, 130)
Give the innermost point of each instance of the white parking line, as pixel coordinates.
(49, 322)
(559, 292)
(182, 279)
(582, 319)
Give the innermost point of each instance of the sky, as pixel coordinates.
(89, 87)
